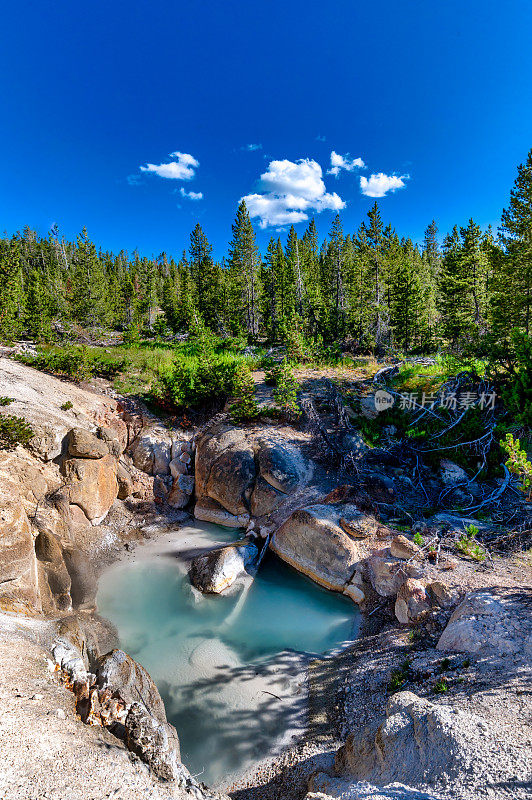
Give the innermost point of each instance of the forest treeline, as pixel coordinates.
(373, 287)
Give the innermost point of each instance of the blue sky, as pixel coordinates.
(91, 92)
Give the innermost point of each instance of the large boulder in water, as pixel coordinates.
(312, 541)
(217, 570)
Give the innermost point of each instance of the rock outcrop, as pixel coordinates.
(92, 485)
(430, 747)
(38, 397)
(241, 472)
(387, 573)
(121, 696)
(412, 602)
(168, 457)
(18, 565)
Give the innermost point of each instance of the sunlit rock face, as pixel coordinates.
(245, 472)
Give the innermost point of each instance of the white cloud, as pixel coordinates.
(378, 185)
(251, 148)
(339, 163)
(320, 138)
(191, 195)
(181, 169)
(289, 190)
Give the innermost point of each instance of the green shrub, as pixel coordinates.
(76, 361)
(298, 349)
(67, 406)
(511, 367)
(518, 463)
(194, 382)
(285, 392)
(273, 373)
(6, 401)
(14, 431)
(244, 406)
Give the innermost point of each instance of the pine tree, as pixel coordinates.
(11, 322)
(89, 289)
(244, 268)
(456, 302)
(474, 265)
(294, 272)
(335, 279)
(512, 280)
(406, 296)
(37, 320)
(204, 274)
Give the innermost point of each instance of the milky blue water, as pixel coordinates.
(225, 665)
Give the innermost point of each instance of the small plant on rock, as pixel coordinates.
(67, 406)
(441, 686)
(14, 431)
(467, 545)
(418, 539)
(518, 463)
(400, 676)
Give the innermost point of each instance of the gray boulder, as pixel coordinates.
(265, 498)
(387, 574)
(84, 444)
(433, 747)
(231, 478)
(451, 474)
(281, 465)
(412, 602)
(217, 570)
(152, 451)
(491, 623)
(156, 743)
